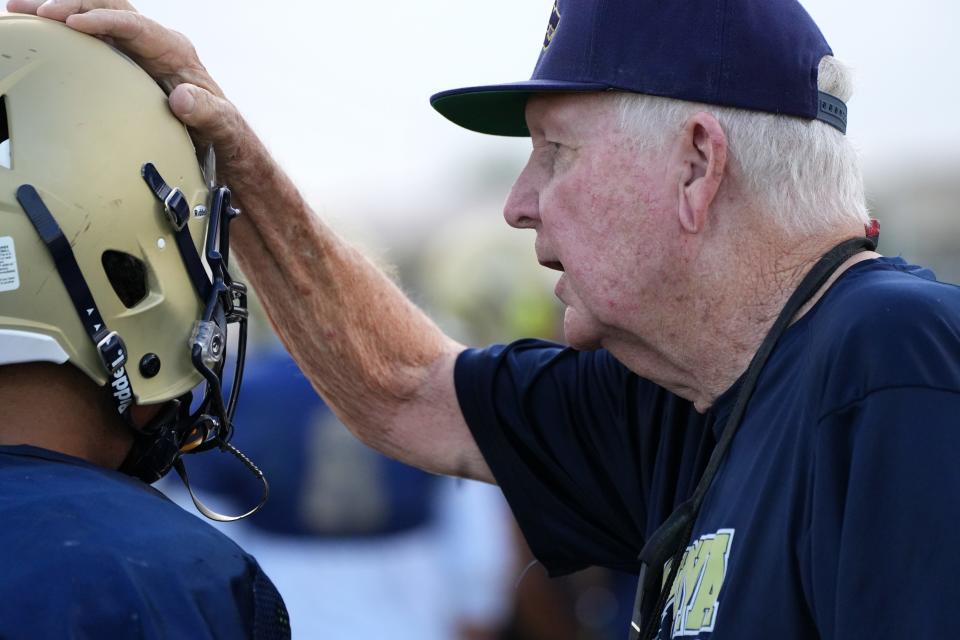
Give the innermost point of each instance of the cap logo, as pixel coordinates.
(552, 26)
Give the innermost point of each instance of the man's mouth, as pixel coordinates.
(556, 265)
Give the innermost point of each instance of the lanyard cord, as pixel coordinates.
(670, 539)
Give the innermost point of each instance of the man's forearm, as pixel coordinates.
(361, 342)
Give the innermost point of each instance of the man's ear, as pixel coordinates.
(700, 160)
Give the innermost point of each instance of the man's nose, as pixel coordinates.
(522, 209)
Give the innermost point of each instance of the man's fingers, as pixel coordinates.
(62, 9)
(118, 24)
(163, 53)
(150, 43)
(24, 6)
(157, 49)
(212, 119)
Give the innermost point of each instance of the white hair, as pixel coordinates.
(804, 173)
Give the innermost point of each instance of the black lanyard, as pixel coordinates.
(671, 538)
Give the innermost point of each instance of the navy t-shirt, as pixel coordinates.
(835, 514)
(87, 552)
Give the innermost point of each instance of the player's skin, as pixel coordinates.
(57, 407)
(655, 267)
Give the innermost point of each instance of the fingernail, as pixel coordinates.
(188, 103)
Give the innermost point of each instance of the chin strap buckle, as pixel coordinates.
(174, 202)
(177, 209)
(112, 352)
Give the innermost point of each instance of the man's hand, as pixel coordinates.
(168, 56)
(163, 53)
(390, 381)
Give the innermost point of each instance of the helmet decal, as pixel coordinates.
(9, 272)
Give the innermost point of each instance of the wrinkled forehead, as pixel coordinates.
(574, 115)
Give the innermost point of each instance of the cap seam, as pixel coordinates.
(721, 31)
(592, 69)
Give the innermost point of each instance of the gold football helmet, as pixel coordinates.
(113, 244)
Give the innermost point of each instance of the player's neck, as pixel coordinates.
(56, 407)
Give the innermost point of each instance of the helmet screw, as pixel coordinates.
(149, 365)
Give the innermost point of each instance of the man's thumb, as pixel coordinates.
(211, 118)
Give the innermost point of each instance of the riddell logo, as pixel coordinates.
(121, 390)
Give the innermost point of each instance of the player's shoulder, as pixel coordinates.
(92, 513)
(88, 548)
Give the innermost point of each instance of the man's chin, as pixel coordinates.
(580, 335)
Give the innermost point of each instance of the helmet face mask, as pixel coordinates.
(83, 126)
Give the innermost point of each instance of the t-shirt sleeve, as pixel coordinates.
(881, 558)
(575, 442)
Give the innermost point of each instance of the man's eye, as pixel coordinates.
(561, 155)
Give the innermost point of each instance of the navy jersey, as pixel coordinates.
(91, 553)
(835, 512)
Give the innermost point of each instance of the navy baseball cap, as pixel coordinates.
(760, 55)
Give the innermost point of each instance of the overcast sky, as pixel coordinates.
(339, 90)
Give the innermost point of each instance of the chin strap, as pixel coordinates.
(108, 344)
(156, 445)
(178, 213)
(206, 511)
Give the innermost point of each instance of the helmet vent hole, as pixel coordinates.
(4, 135)
(127, 275)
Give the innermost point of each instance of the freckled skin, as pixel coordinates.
(593, 214)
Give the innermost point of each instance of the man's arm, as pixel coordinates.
(380, 362)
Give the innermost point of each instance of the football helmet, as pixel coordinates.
(114, 241)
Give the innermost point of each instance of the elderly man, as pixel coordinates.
(690, 179)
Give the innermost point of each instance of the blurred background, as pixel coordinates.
(339, 92)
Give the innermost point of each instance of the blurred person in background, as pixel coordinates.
(699, 219)
(480, 285)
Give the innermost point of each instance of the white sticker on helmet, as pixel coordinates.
(9, 275)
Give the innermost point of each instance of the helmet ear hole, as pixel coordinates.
(5, 160)
(127, 275)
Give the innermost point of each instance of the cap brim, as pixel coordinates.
(499, 109)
